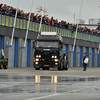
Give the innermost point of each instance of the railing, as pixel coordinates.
(6, 20)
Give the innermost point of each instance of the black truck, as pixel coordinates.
(48, 52)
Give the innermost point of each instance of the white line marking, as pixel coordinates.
(58, 94)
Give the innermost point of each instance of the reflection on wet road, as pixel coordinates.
(47, 84)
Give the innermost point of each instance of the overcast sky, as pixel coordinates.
(62, 9)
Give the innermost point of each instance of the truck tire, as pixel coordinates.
(5, 66)
(47, 68)
(43, 68)
(37, 68)
(0, 67)
(59, 68)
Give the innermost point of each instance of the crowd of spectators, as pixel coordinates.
(9, 10)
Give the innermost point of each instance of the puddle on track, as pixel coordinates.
(43, 84)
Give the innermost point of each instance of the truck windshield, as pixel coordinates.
(47, 44)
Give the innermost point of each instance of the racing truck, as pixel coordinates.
(48, 51)
(3, 60)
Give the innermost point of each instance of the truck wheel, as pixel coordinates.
(5, 66)
(47, 68)
(66, 68)
(0, 66)
(43, 68)
(37, 68)
(59, 68)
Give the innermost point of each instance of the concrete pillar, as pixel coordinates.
(19, 56)
(6, 49)
(90, 57)
(95, 57)
(84, 51)
(31, 54)
(77, 56)
(69, 56)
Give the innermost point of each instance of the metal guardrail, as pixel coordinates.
(7, 20)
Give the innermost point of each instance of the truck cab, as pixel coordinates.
(48, 47)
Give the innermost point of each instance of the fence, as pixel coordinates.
(8, 21)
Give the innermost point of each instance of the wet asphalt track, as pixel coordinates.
(29, 84)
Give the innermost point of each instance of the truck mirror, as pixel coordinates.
(61, 45)
(33, 45)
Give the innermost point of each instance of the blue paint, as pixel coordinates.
(28, 78)
(74, 79)
(71, 51)
(96, 54)
(33, 48)
(5, 19)
(67, 49)
(74, 58)
(28, 57)
(81, 54)
(91, 53)
(98, 59)
(1, 18)
(9, 46)
(93, 57)
(22, 47)
(2, 41)
(16, 49)
(64, 51)
(80, 79)
(87, 53)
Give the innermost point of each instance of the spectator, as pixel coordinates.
(1, 5)
(9, 10)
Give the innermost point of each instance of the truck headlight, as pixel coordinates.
(56, 60)
(39, 56)
(56, 63)
(53, 56)
(36, 63)
(37, 59)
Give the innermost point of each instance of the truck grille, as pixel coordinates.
(46, 60)
(46, 52)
